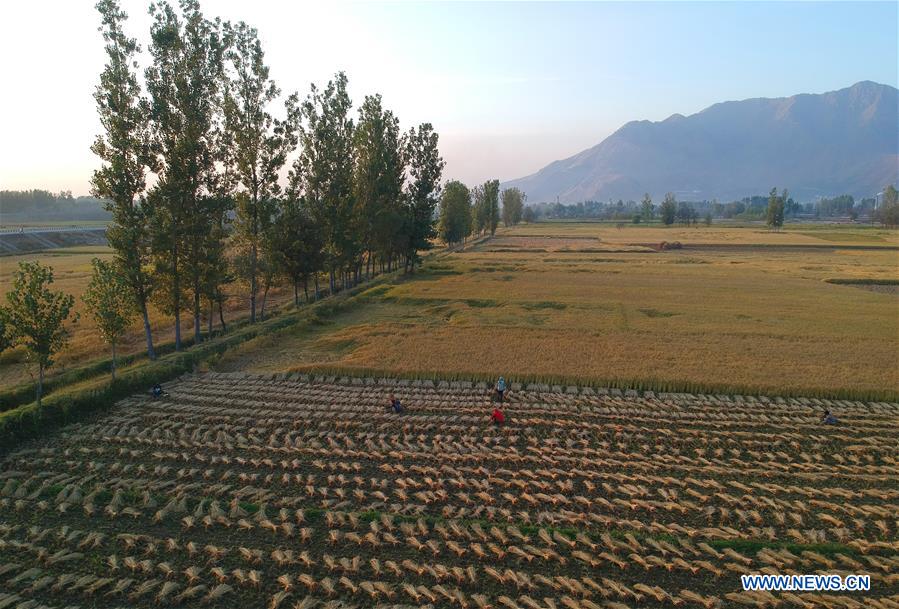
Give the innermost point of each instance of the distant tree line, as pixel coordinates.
(671, 211)
(34, 205)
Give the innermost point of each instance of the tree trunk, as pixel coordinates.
(40, 382)
(222, 314)
(296, 293)
(113, 361)
(211, 313)
(306, 288)
(253, 286)
(331, 280)
(264, 298)
(176, 285)
(317, 293)
(151, 353)
(197, 334)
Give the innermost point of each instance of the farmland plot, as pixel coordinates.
(240, 490)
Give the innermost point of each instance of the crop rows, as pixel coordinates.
(237, 490)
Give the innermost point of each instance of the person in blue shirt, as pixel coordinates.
(829, 419)
(395, 404)
(500, 388)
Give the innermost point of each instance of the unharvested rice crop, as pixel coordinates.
(290, 492)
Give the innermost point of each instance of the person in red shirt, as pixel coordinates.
(498, 417)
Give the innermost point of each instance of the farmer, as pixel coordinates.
(500, 388)
(829, 419)
(498, 417)
(395, 404)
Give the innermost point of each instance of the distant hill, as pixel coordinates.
(842, 142)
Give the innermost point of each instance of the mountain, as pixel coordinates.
(842, 142)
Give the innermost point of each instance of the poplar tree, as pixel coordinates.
(257, 142)
(184, 82)
(455, 213)
(513, 205)
(323, 173)
(422, 192)
(491, 205)
(123, 149)
(774, 216)
(378, 180)
(647, 209)
(668, 209)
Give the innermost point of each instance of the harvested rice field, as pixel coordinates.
(237, 490)
(732, 310)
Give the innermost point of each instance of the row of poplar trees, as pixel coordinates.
(466, 212)
(192, 165)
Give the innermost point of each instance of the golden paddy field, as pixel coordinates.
(742, 308)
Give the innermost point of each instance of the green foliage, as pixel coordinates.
(124, 148)
(529, 215)
(486, 207)
(513, 205)
(888, 212)
(774, 216)
(256, 144)
(35, 314)
(185, 85)
(323, 173)
(455, 213)
(109, 301)
(423, 191)
(379, 222)
(5, 341)
(668, 209)
(296, 245)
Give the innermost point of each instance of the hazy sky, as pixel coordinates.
(509, 86)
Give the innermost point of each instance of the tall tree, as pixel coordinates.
(513, 205)
(491, 202)
(35, 315)
(668, 209)
(422, 192)
(109, 301)
(646, 208)
(479, 210)
(378, 180)
(258, 143)
(888, 211)
(774, 216)
(323, 173)
(455, 213)
(184, 82)
(123, 149)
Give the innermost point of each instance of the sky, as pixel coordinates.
(509, 86)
